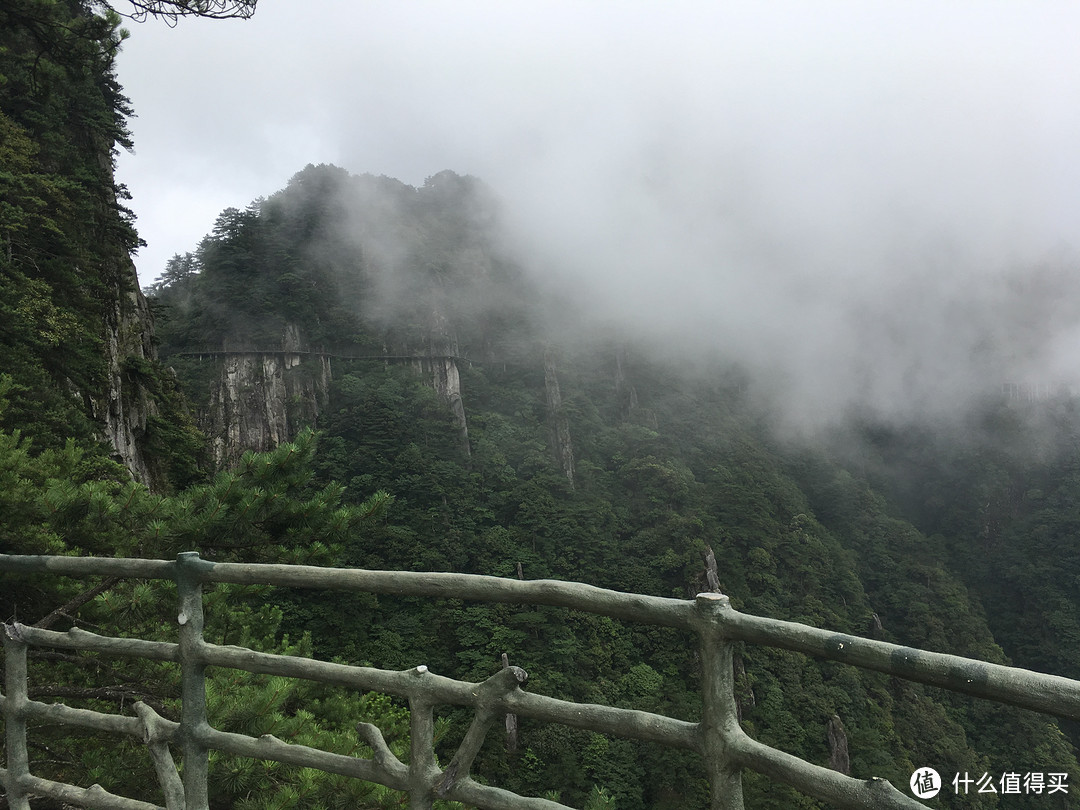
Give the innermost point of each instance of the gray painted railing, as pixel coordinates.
(725, 749)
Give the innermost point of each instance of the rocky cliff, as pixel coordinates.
(369, 266)
(559, 424)
(441, 360)
(127, 405)
(263, 399)
(75, 334)
(260, 398)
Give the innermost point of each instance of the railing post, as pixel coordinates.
(18, 758)
(422, 767)
(192, 681)
(720, 720)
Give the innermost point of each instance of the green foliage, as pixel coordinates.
(297, 712)
(996, 495)
(66, 239)
(795, 535)
(268, 509)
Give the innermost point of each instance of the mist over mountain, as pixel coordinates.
(518, 416)
(887, 319)
(851, 200)
(879, 310)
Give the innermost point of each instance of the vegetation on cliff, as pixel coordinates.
(74, 330)
(64, 234)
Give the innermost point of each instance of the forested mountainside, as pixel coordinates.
(586, 457)
(74, 329)
(996, 495)
(465, 420)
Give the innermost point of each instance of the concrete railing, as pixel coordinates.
(725, 749)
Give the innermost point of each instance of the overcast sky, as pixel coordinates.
(805, 152)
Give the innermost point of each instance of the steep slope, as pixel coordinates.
(997, 491)
(75, 331)
(585, 459)
(334, 268)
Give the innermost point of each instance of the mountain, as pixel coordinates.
(517, 441)
(75, 331)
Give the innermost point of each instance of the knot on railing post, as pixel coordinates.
(513, 676)
(13, 632)
(712, 601)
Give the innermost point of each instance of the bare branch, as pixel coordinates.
(119, 694)
(156, 733)
(383, 756)
(171, 10)
(490, 691)
(65, 610)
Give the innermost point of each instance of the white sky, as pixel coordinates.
(824, 147)
(969, 110)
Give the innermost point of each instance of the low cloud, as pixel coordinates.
(868, 205)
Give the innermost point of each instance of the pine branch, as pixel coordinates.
(65, 611)
(117, 693)
(84, 661)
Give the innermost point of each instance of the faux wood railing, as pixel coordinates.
(725, 749)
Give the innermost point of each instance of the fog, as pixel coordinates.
(864, 204)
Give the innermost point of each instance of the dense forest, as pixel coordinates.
(358, 372)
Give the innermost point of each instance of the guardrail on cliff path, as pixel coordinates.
(725, 749)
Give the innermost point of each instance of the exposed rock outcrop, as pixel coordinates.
(126, 405)
(839, 759)
(624, 389)
(561, 445)
(261, 399)
(445, 376)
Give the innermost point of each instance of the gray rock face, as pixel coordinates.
(262, 399)
(561, 444)
(445, 377)
(126, 406)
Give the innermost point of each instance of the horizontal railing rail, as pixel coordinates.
(725, 749)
